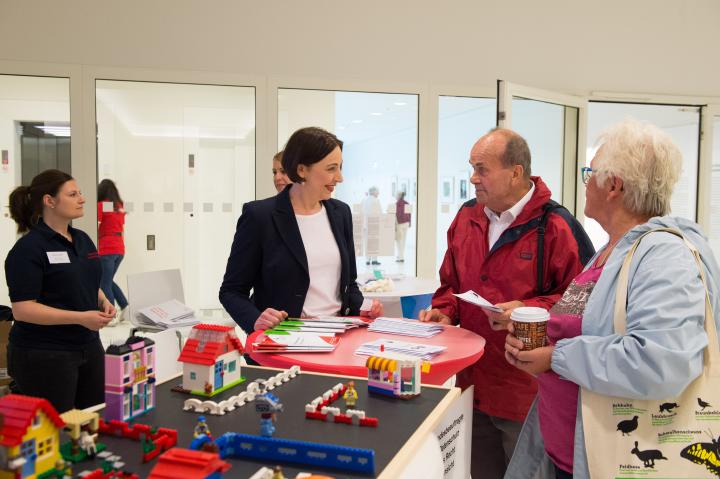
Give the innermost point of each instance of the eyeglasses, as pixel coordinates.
(586, 174)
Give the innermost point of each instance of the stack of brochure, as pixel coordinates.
(170, 314)
(422, 351)
(290, 342)
(326, 326)
(405, 327)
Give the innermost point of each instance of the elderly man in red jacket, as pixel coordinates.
(499, 245)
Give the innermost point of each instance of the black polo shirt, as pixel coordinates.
(44, 266)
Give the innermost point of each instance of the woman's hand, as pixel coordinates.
(376, 310)
(95, 320)
(107, 307)
(434, 316)
(269, 319)
(532, 362)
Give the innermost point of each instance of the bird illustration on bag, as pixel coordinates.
(627, 426)
(703, 404)
(704, 453)
(649, 456)
(668, 406)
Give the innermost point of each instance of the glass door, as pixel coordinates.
(711, 137)
(34, 136)
(553, 125)
(183, 159)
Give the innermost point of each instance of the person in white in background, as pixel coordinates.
(371, 208)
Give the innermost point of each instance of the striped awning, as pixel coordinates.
(381, 364)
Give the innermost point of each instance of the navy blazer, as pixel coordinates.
(268, 257)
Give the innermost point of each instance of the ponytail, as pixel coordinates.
(21, 209)
(26, 202)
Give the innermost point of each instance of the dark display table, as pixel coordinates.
(403, 424)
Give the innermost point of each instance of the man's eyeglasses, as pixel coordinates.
(586, 174)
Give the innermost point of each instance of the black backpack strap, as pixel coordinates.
(547, 209)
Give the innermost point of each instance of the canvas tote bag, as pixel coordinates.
(657, 439)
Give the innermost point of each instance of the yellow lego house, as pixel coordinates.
(29, 437)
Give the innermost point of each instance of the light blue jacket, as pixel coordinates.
(661, 352)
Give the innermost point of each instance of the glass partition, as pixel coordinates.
(715, 190)
(682, 123)
(380, 135)
(34, 136)
(183, 159)
(461, 122)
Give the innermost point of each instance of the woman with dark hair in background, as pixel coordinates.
(295, 250)
(53, 275)
(111, 243)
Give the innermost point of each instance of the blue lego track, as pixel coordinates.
(269, 449)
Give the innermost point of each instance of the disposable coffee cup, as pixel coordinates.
(530, 326)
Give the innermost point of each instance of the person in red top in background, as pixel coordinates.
(111, 244)
(493, 250)
(402, 223)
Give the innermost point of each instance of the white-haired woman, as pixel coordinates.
(628, 188)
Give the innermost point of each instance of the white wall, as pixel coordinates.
(23, 99)
(657, 46)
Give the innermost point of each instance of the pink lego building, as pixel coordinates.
(129, 379)
(211, 359)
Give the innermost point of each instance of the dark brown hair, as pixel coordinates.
(306, 147)
(26, 202)
(107, 191)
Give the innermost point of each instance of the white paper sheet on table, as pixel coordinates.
(472, 297)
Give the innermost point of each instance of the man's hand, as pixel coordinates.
(435, 316)
(269, 319)
(501, 321)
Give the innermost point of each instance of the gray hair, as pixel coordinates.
(646, 159)
(516, 151)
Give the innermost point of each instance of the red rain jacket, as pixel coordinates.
(508, 272)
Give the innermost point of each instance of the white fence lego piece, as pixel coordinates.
(234, 402)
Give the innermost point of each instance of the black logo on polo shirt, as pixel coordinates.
(526, 255)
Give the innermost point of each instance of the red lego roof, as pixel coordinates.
(212, 327)
(188, 464)
(211, 349)
(18, 412)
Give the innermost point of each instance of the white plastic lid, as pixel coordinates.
(529, 314)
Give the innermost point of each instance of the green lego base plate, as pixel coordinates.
(218, 391)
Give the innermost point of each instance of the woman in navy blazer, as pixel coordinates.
(268, 255)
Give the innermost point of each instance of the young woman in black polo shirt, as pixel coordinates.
(53, 274)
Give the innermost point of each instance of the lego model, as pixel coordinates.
(268, 405)
(350, 395)
(189, 464)
(129, 379)
(154, 441)
(270, 449)
(230, 404)
(395, 375)
(82, 427)
(321, 408)
(211, 359)
(29, 436)
(201, 428)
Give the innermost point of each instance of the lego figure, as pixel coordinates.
(350, 396)
(267, 404)
(201, 428)
(278, 473)
(87, 443)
